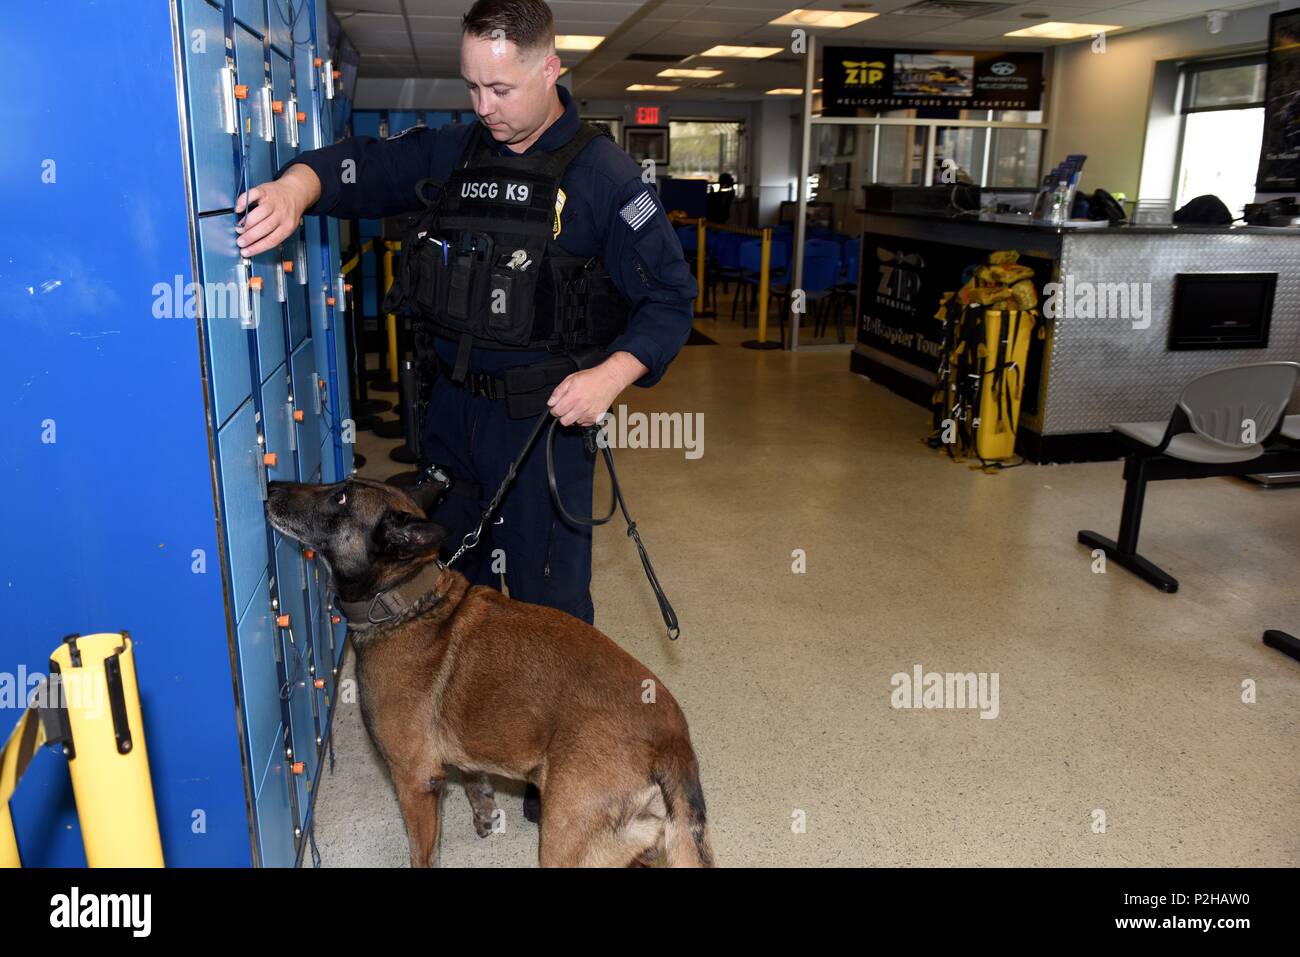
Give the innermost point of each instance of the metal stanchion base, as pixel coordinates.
(370, 406)
(707, 314)
(404, 455)
(381, 384)
(365, 423)
(756, 344)
(358, 460)
(403, 479)
(391, 429)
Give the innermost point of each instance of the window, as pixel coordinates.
(704, 149)
(1222, 127)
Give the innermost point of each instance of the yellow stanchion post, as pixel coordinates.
(764, 288)
(701, 243)
(93, 683)
(17, 754)
(390, 319)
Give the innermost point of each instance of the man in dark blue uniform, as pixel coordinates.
(603, 211)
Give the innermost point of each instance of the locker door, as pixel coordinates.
(259, 688)
(211, 133)
(285, 118)
(304, 400)
(227, 309)
(256, 115)
(341, 332)
(322, 634)
(306, 77)
(242, 510)
(277, 428)
(280, 23)
(252, 14)
(274, 813)
(299, 664)
(294, 251)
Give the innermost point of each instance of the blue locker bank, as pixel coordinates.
(153, 382)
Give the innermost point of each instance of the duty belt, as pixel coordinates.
(476, 383)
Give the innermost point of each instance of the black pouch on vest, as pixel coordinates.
(528, 387)
(468, 261)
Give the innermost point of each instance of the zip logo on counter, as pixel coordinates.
(1099, 300)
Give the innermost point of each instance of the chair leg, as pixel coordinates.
(1124, 552)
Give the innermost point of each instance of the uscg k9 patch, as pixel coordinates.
(506, 190)
(638, 210)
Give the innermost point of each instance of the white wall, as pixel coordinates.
(1099, 103)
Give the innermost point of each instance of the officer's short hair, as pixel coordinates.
(528, 24)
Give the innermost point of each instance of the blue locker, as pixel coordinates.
(252, 14)
(240, 461)
(225, 307)
(286, 121)
(254, 106)
(280, 23)
(260, 677)
(275, 838)
(268, 311)
(322, 634)
(204, 47)
(174, 547)
(305, 76)
(277, 427)
(309, 430)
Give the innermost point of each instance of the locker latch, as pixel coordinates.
(268, 117)
(291, 120)
(281, 293)
(229, 115)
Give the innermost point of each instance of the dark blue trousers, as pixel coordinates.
(545, 560)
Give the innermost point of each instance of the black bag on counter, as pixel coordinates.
(1207, 210)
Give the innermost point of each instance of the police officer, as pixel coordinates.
(530, 147)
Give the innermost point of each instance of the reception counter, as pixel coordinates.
(1130, 308)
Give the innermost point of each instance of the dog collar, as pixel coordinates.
(388, 605)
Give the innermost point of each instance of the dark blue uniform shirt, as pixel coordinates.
(605, 214)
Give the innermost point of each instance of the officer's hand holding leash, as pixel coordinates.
(583, 397)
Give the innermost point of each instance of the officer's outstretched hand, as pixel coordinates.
(583, 397)
(280, 205)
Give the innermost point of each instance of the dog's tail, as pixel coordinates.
(686, 832)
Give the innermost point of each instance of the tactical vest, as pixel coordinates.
(481, 263)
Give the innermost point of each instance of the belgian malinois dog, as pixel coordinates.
(453, 675)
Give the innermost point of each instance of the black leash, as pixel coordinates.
(616, 500)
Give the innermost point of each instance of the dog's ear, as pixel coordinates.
(403, 536)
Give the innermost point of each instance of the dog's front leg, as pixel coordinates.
(421, 801)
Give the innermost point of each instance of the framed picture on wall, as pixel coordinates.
(1279, 168)
(647, 143)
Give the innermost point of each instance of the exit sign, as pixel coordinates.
(647, 115)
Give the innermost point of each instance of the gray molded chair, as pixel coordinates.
(1206, 435)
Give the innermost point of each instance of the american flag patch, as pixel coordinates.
(637, 211)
